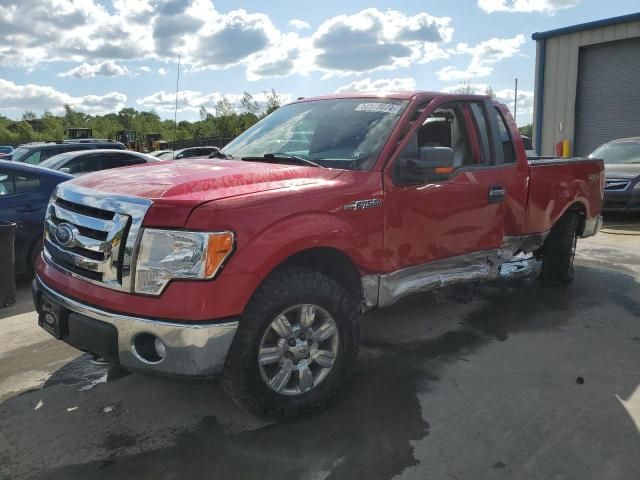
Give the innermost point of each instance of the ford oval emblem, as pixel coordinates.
(65, 235)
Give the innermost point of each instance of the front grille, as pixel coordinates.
(92, 235)
(612, 185)
(84, 209)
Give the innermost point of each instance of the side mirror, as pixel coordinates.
(433, 164)
(65, 170)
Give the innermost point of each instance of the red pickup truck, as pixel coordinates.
(259, 265)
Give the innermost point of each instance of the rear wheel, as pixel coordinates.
(295, 345)
(559, 250)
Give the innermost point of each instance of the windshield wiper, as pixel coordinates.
(282, 156)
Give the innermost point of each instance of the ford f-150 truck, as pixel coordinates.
(259, 265)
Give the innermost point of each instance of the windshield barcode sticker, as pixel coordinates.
(378, 107)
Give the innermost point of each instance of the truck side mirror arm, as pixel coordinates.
(434, 164)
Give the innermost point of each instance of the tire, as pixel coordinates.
(559, 249)
(259, 385)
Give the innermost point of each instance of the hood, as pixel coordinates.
(622, 170)
(191, 182)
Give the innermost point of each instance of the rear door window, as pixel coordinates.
(508, 151)
(7, 185)
(33, 158)
(50, 152)
(482, 128)
(12, 184)
(117, 160)
(83, 164)
(26, 183)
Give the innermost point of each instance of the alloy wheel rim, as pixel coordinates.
(298, 349)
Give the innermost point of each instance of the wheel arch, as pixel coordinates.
(330, 262)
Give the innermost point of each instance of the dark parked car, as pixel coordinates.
(79, 163)
(5, 149)
(193, 152)
(37, 152)
(24, 194)
(622, 167)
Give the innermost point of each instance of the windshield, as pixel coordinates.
(623, 152)
(338, 133)
(19, 153)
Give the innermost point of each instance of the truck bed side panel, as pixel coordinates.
(557, 184)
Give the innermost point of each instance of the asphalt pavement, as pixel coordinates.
(506, 380)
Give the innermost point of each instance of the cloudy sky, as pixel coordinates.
(102, 55)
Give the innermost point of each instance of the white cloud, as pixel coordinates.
(372, 39)
(379, 85)
(299, 24)
(108, 68)
(145, 69)
(355, 44)
(544, 6)
(87, 32)
(483, 56)
(162, 71)
(39, 98)
(36, 31)
(191, 100)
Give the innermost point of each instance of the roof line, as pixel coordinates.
(585, 26)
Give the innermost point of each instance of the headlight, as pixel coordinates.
(168, 254)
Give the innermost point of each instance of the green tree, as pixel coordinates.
(225, 122)
(29, 115)
(526, 130)
(249, 105)
(273, 102)
(465, 88)
(490, 92)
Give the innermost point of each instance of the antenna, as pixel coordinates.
(175, 113)
(515, 104)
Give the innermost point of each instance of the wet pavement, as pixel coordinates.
(510, 379)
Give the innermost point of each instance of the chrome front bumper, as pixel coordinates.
(192, 349)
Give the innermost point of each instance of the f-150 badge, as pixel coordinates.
(362, 204)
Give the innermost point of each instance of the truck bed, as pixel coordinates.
(569, 182)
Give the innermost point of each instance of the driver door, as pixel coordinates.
(461, 214)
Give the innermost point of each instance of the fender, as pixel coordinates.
(315, 229)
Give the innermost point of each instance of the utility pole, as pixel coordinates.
(515, 104)
(175, 113)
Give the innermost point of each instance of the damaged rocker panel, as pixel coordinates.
(381, 290)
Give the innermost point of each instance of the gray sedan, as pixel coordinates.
(86, 161)
(622, 169)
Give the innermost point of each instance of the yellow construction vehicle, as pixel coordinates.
(78, 133)
(130, 139)
(155, 142)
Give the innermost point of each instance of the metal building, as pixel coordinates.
(587, 84)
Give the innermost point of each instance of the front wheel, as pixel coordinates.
(295, 346)
(559, 250)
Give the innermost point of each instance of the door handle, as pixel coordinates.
(496, 193)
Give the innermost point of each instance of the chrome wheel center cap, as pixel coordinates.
(300, 350)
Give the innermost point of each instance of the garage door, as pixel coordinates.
(608, 103)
